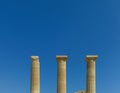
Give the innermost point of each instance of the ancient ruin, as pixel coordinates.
(61, 74)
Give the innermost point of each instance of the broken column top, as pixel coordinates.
(82, 91)
(91, 57)
(61, 57)
(33, 58)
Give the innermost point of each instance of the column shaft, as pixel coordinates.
(61, 87)
(91, 74)
(61, 74)
(35, 76)
(91, 79)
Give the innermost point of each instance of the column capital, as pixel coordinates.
(61, 57)
(34, 58)
(91, 57)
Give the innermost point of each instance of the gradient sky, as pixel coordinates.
(47, 28)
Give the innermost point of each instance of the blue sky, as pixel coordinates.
(47, 28)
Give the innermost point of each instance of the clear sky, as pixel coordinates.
(47, 28)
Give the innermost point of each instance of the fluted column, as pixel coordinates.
(35, 75)
(61, 74)
(91, 73)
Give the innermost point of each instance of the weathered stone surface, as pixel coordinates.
(91, 74)
(61, 74)
(35, 75)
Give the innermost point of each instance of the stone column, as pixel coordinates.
(35, 75)
(61, 74)
(91, 73)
